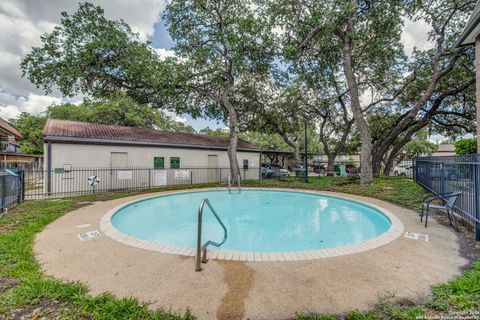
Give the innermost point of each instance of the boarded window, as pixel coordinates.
(175, 162)
(158, 162)
(118, 159)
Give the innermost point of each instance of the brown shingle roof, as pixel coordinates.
(81, 132)
(5, 126)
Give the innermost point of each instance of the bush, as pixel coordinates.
(466, 146)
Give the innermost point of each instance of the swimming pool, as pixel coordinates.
(258, 221)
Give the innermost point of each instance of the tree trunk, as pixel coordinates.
(330, 161)
(296, 148)
(366, 174)
(296, 154)
(376, 164)
(233, 143)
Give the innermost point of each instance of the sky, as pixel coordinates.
(22, 22)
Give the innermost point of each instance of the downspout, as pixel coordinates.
(49, 168)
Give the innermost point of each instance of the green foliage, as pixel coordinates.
(419, 145)
(466, 146)
(89, 54)
(214, 132)
(119, 110)
(31, 127)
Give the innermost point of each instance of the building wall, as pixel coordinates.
(85, 160)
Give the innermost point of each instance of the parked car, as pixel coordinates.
(284, 173)
(403, 169)
(270, 171)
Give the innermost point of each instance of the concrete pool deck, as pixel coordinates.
(255, 290)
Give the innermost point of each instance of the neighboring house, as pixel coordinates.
(444, 150)
(9, 137)
(471, 37)
(71, 146)
(10, 155)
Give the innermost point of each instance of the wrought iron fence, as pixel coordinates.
(401, 170)
(454, 173)
(88, 180)
(11, 189)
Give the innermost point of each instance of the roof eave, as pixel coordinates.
(470, 28)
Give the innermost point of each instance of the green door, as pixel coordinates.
(158, 162)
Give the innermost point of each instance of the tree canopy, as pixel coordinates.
(267, 67)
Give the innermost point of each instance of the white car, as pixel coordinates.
(284, 173)
(403, 169)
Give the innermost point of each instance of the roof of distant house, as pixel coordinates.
(5, 126)
(92, 133)
(446, 148)
(472, 29)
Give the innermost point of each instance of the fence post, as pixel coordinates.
(442, 177)
(3, 192)
(149, 178)
(414, 169)
(476, 186)
(21, 193)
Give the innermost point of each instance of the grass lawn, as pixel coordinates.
(26, 293)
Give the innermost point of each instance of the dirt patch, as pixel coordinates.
(44, 309)
(239, 279)
(8, 283)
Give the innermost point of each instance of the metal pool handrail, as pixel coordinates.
(202, 249)
(239, 185)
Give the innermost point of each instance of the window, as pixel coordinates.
(245, 164)
(175, 162)
(158, 162)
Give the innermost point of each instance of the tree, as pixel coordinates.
(91, 55)
(418, 146)
(466, 146)
(218, 43)
(366, 35)
(119, 110)
(31, 127)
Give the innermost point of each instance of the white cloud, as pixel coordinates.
(33, 104)
(164, 53)
(22, 22)
(414, 35)
(180, 119)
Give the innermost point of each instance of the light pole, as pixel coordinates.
(305, 161)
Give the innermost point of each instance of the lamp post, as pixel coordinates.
(305, 161)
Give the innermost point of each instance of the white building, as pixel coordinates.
(126, 157)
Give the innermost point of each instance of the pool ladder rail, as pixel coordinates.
(230, 185)
(202, 249)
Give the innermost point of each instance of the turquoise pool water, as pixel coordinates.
(256, 220)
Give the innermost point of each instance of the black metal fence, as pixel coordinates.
(11, 189)
(78, 181)
(454, 173)
(401, 170)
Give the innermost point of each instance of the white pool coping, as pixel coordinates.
(395, 231)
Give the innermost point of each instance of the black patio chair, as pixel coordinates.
(448, 199)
